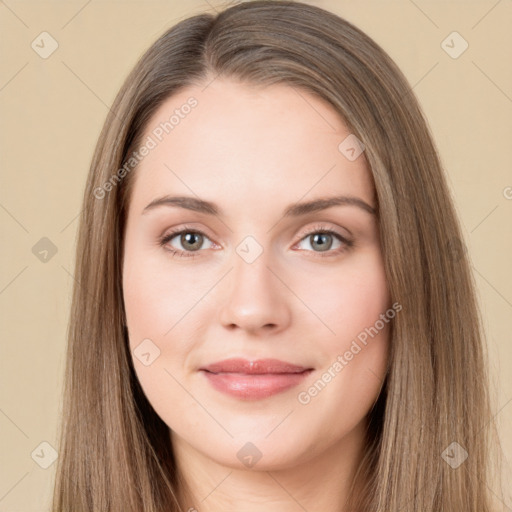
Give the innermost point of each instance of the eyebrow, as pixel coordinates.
(294, 210)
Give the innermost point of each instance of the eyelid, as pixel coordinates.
(185, 228)
(188, 228)
(319, 226)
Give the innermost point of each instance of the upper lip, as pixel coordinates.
(259, 366)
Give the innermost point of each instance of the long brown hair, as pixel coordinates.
(115, 451)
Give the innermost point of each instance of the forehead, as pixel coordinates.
(247, 145)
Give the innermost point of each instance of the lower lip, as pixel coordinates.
(255, 386)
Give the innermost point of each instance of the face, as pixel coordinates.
(258, 279)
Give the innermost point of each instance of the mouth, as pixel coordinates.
(254, 380)
(259, 366)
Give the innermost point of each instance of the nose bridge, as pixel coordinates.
(255, 298)
(251, 273)
(251, 266)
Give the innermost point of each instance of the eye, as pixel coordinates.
(320, 237)
(191, 241)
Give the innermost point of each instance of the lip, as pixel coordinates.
(259, 366)
(254, 380)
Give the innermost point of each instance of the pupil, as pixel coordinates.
(190, 236)
(323, 245)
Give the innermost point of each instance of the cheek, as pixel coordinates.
(356, 311)
(166, 313)
(157, 294)
(348, 300)
(149, 304)
(160, 313)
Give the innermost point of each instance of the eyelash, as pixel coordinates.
(348, 244)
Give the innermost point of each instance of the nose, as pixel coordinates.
(256, 299)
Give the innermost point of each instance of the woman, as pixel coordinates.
(318, 345)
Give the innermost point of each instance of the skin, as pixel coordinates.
(253, 151)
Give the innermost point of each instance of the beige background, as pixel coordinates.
(52, 111)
